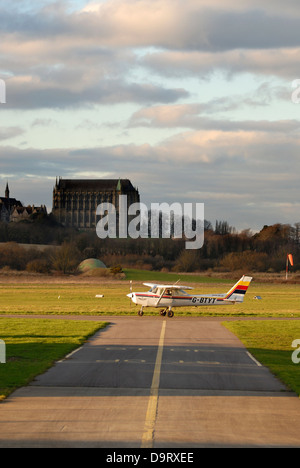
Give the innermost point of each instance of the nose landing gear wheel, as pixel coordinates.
(170, 313)
(140, 312)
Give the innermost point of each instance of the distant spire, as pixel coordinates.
(7, 191)
(57, 182)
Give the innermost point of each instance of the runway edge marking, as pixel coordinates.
(71, 354)
(147, 438)
(253, 359)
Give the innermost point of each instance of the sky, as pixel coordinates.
(189, 99)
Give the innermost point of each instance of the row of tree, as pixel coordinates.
(224, 248)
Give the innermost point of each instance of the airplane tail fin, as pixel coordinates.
(238, 291)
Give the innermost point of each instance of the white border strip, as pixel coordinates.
(253, 359)
(70, 354)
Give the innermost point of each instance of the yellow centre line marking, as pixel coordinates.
(147, 438)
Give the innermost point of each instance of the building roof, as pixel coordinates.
(94, 185)
(10, 202)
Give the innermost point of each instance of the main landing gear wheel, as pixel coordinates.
(164, 312)
(140, 312)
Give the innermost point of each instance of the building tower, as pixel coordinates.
(7, 191)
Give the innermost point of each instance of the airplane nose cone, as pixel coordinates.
(132, 297)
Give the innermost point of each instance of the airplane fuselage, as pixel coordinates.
(147, 299)
(169, 296)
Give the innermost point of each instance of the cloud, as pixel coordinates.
(67, 64)
(195, 116)
(10, 132)
(57, 57)
(279, 62)
(150, 53)
(198, 25)
(240, 175)
(30, 93)
(44, 122)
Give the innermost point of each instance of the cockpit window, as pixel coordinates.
(182, 291)
(153, 289)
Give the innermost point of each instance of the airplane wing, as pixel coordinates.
(167, 286)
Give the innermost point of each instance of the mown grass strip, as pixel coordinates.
(80, 299)
(33, 345)
(170, 278)
(270, 342)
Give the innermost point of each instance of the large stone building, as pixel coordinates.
(75, 201)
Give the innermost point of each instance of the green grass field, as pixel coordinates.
(278, 300)
(270, 342)
(33, 345)
(170, 278)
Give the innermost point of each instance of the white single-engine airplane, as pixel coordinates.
(173, 295)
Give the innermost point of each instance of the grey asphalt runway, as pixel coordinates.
(154, 382)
